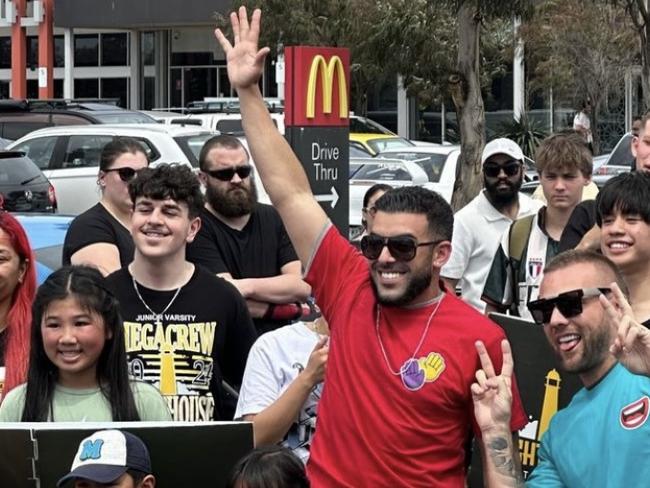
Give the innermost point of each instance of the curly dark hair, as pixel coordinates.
(174, 181)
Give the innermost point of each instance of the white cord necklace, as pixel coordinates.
(406, 363)
(158, 316)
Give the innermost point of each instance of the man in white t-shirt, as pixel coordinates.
(582, 123)
(282, 385)
(478, 226)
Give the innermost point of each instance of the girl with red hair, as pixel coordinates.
(17, 290)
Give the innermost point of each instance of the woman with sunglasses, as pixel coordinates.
(100, 236)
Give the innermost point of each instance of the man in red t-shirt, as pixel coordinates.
(396, 409)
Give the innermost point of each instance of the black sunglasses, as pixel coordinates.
(568, 303)
(510, 168)
(227, 173)
(402, 248)
(126, 173)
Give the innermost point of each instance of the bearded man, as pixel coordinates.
(478, 226)
(244, 241)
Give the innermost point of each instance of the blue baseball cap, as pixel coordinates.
(106, 455)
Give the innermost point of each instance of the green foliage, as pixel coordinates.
(526, 132)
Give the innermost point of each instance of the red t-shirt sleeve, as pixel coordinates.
(336, 269)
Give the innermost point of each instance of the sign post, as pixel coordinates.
(317, 82)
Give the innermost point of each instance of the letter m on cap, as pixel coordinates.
(91, 450)
(326, 71)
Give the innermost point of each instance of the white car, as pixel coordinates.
(438, 162)
(69, 155)
(367, 172)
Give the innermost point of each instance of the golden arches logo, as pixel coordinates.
(327, 71)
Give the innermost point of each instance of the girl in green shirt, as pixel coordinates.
(78, 367)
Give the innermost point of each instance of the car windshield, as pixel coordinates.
(383, 172)
(622, 155)
(191, 145)
(432, 164)
(379, 145)
(123, 118)
(367, 126)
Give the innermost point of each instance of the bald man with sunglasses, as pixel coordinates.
(244, 241)
(396, 409)
(602, 437)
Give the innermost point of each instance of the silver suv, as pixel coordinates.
(69, 156)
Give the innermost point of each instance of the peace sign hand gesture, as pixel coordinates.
(631, 345)
(492, 394)
(245, 61)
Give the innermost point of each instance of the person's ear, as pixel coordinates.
(22, 269)
(441, 254)
(195, 225)
(148, 481)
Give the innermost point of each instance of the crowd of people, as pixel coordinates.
(178, 304)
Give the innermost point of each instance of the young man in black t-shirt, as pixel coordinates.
(244, 241)
(185, 329)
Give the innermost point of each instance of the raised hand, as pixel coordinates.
(245, 60)
(631, 345)
(491, 393)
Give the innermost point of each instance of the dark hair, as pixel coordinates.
(86, 285)
(269, 467)
(174, 181)
(418, 200)
(564, 151)
(222, 140)
(117, 147)
(373, 190)
(576, 256)
(627, 193)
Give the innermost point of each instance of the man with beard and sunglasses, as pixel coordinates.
(244, 241)
(593, 332)
(396, 409)
(564, 164)
(479, 225)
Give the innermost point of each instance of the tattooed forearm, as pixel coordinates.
(502, 454)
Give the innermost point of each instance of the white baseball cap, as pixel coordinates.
(502, 146)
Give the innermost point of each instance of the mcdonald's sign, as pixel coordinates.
(317, 86)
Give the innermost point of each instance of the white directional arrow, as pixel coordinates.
(333, 197)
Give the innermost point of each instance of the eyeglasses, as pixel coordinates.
(568, 303)
(510, 168)
(125, 173)
(227, 173)
(402, 248)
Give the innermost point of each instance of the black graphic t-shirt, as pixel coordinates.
(202, 338)
(97, 225)
(259, 250)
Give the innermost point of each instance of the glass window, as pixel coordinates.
(379, 145)
(59, 49)
(383, 172)
(58, 88)
(5, 52)
(115, 48)
(86, 88)
(39, 150)
(4, 86)
(84, 151)
(86, 50)
(17, 170)
(32, 52)
(148, 48)
(32, 88)
(115, 88)
(432, 164)
(191, 146)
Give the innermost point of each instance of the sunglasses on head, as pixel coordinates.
(402, 248)
(568, 303)
(125, 173)
(227, 173)
(510, 168)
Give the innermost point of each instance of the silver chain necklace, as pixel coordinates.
(417, 348)
(157, 315)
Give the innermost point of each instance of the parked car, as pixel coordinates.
(376, 143)
(621, 155)
(24, 187)
(370, 171)
(20, 117)
(46, 234)
(438, 163)
(69, 156)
